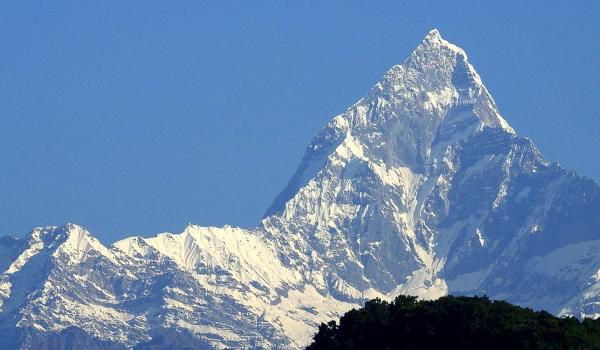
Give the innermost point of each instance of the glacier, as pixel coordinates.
(421, 187)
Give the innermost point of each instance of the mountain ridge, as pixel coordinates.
(421, 187)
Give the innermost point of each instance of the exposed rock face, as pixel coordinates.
(421, 188)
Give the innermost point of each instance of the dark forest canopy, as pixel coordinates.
(454, 323)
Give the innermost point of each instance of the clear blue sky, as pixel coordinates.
(136, 117)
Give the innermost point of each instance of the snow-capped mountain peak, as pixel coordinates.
(433, 100)
(433, 43)
(420, 187)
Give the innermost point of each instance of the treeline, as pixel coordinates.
(454, 323)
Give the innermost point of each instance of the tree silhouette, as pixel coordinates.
(455, 323)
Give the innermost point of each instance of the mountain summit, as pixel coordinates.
(435, 96)
(421, 188)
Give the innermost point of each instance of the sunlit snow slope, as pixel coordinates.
(421, 187)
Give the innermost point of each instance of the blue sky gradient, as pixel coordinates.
(139, 117)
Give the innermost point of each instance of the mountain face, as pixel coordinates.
(421, 187)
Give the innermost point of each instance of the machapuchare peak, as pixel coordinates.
(418, 188)
(435, 36)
